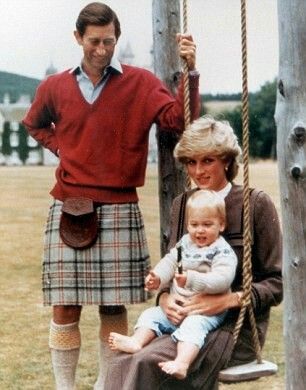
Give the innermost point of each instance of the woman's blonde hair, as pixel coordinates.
(207, 136)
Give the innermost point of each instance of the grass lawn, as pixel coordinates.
(24, 355)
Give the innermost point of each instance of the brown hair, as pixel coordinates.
(98, 14)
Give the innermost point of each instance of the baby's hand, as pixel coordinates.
(181, 279)
(152, 281)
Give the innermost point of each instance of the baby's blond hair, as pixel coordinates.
(207, 199)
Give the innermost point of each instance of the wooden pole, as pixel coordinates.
(166, 23)
(290, 118)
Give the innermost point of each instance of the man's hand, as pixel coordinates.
(187, 49)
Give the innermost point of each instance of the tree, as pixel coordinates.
(6, 145)
(23, 149)
(290, 118)
(166, 23)
(262, 107)
(261, 121)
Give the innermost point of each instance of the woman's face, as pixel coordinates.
(208, 172)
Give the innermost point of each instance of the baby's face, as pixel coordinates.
(204, 226)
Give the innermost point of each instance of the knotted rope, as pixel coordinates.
(247, 254)
(187, 114)
(186, 73)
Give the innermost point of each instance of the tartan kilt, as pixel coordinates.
(111, 272)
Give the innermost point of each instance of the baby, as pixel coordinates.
(208, 264)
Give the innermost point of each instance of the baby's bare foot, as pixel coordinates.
(175, 368)
(120, 342)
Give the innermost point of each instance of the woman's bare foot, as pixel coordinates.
(175, 368)
(120, 342)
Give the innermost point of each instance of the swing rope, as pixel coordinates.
(247, 255)
(187, 114)
(186, 74)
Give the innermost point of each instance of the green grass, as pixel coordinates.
(24, 355)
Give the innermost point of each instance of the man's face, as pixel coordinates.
(98, 44)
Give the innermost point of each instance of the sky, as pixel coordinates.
(35, 33)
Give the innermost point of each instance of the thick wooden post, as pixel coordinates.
(290, 118)
(166, 23)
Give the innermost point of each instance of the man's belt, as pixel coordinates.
(79, 223)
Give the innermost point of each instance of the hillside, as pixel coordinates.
(16, 85)
(214, 107)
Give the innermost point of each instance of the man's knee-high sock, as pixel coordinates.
(113, 319)
(64, 342)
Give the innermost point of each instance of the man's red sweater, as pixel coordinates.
(103, 146)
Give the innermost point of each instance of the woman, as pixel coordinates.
(210, 152)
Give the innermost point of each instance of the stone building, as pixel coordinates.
(16, 146)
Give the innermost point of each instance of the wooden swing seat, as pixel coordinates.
(246, 372)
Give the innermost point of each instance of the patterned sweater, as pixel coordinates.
(267, 286)
(209, 270)
(103, 146)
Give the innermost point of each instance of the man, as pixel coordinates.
(96, 117)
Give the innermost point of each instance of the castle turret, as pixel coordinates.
(50, 70)
(126, 55)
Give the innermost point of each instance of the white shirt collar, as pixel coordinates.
(225, 191)
(114, 65)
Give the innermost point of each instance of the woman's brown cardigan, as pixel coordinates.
(140, 371)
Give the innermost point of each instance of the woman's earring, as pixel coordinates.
(226, 168)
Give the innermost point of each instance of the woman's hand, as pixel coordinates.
(187, 49)
(209, 304)
(172, 307)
